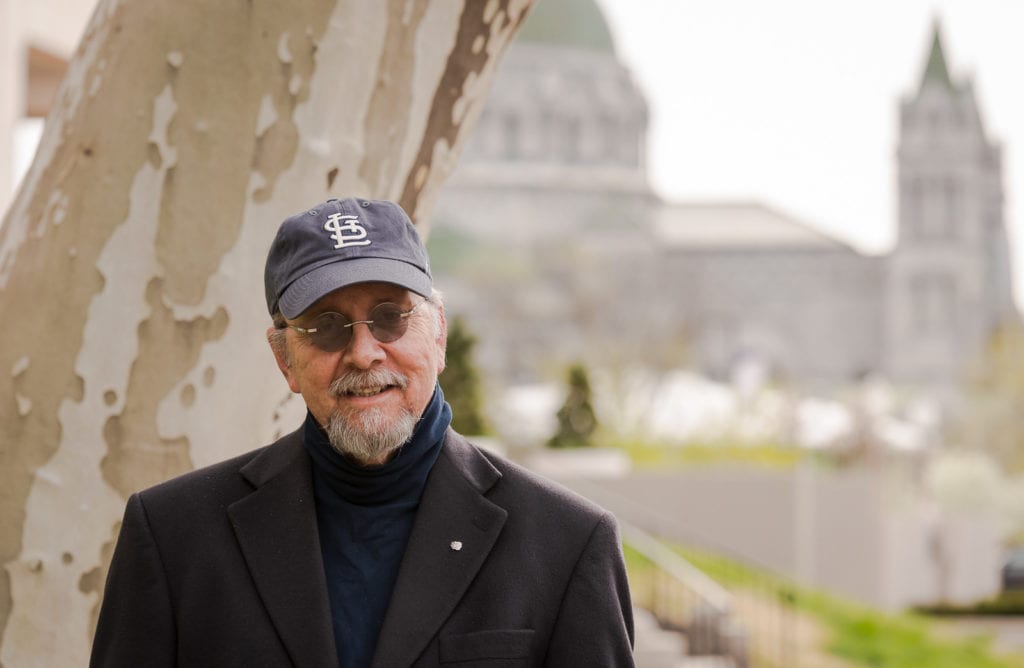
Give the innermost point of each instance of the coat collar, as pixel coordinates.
(454, 531)
(276, 528)
(277, 531)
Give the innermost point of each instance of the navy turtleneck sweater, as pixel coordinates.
(365, 515)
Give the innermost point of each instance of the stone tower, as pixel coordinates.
(948, 278)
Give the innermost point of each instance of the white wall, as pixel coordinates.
(52, 25)
(852, 532)
(55, 25)
(11, 91)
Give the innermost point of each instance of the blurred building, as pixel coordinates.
(37, 39)
(550, 198)
(948, 277)
(550, 240)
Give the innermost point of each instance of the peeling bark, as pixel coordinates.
(484, 31)
(131, 260)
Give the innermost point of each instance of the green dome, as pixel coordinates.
(576, 24)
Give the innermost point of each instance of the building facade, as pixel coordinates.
(554, 246)
(551, 241)
(949, 284)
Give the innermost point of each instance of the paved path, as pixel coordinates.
(1007, 633)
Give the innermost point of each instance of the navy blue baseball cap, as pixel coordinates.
(339, 243)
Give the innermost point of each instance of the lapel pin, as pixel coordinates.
(456, 545)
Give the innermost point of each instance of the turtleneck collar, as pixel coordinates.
(400, 479)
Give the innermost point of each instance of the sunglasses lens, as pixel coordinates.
(332, 332)
(389, 322)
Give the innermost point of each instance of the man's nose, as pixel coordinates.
(363, 351)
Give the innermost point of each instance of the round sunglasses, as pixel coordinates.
(331, 332)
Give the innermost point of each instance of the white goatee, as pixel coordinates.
(369, 436)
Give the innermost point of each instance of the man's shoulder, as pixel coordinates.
(230, 476)
(518, 485)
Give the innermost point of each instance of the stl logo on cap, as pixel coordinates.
(347, 231)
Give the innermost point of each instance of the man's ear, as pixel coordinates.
(442, 338)
(279, 346)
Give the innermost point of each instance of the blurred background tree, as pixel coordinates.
(461, 381)
(577, 421)
(992, 419)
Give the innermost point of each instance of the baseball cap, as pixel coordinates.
(339, 243)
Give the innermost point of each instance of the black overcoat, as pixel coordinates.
(222, 567)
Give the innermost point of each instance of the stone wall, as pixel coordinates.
(856, 533)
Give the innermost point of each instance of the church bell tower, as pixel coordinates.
(948, 278)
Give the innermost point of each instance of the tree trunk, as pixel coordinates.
(131, 262)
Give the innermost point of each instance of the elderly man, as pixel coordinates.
(374, 535)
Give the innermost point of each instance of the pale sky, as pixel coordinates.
(795, 102)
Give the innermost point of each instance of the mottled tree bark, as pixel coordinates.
(131, 261)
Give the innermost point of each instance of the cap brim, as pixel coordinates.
(306, 289)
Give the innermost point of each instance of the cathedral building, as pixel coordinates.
(551, 241)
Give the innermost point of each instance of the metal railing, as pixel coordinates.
(685, 600)
(748, 619)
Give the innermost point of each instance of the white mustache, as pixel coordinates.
(354, 381)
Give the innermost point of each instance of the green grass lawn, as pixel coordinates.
(859, 634)
(644, 454)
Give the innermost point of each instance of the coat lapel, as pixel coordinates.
(277, 531)
(454, 531)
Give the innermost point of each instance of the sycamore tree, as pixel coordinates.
(131, 259)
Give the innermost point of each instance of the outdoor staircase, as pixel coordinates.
(658, 648)
(682, 617)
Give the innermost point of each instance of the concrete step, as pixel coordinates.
(656, 647)
(704, 662)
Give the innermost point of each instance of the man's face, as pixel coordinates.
(368, 386)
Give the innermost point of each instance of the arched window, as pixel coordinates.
(512, 132)
(952, 207)
(933, 303)
(569, 139)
